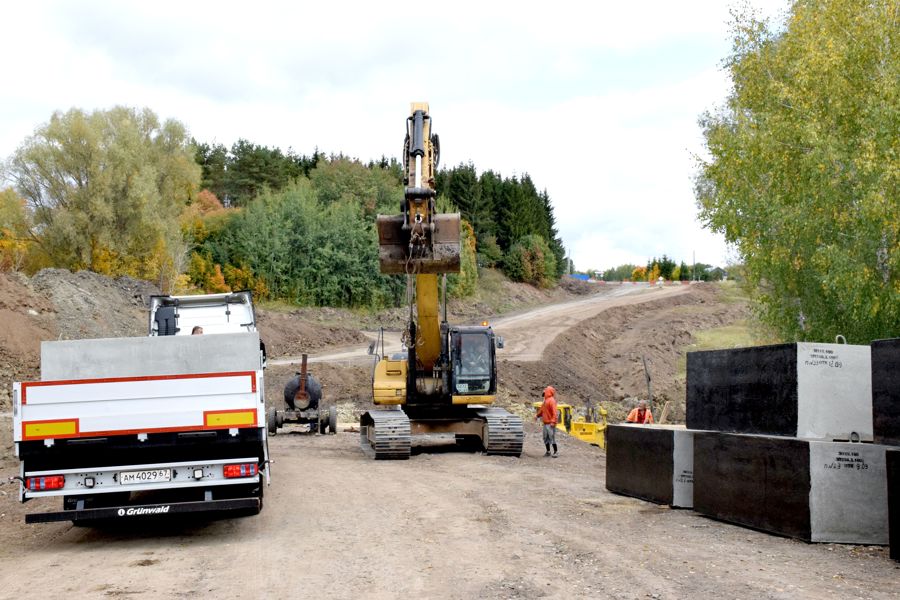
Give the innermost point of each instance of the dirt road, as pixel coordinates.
(526, 334)
(337, 525)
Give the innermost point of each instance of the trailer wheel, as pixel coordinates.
(272, 421)
(332, 419)
(322, 423)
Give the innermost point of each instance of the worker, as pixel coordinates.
(640, 414)
(548, 414)
(197, 330)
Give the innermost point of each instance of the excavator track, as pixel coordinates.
(385, 434)
(504, 434)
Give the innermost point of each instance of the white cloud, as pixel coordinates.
(598, 102)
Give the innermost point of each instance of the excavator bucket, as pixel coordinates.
(394, 251)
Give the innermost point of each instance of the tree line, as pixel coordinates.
(664, 267)
(513, 222)
(121, 193)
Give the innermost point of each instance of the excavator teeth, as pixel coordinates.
(385, 434)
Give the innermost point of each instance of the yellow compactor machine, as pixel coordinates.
(590, 428)
(446, 381)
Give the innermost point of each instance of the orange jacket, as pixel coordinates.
(547, 411)
(635, 416)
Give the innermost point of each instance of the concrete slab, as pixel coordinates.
(893, 480)
(811, 391)
(651, 462)
(812, 490)
(886, 391)
(136, 357)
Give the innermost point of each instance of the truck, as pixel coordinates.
(166, 424)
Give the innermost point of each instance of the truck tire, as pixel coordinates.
(272, 421)
(332, 419)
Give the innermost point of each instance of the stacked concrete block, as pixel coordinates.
(651, 462)
(812, 490)
(811, 391)
(780, 440)
(886, 424)
(886, 391)
(782, 453)
(893, 480)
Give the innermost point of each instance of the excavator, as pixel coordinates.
(446, 381)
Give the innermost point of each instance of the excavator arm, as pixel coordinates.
(419, 240)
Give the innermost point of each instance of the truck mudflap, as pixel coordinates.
(130, 512)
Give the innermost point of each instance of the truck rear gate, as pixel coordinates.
(118, 418)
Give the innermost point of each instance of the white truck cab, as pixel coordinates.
(215, 313)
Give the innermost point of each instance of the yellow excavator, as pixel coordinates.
(446, 381)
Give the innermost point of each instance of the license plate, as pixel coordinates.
(149, 476)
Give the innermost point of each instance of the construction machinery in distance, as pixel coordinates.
(446, 381)
(590, 427)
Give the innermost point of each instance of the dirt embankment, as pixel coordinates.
(26, 318)
(601, 359)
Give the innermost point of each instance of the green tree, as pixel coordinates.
(373, 190)
(105, 190)
(300, 249)
(662, 267)
(619, 273)
(532, 261)
(13, 231)
(804, 167)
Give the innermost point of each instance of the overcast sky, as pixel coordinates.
(597, 101)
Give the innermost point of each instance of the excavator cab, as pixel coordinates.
(419, 241)
(474, 364)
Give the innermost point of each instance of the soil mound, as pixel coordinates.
(290, 334)
(89, 305)
(26, 318)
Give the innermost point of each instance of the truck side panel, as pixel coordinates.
(148, 356)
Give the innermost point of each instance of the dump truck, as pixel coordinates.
(166, 424)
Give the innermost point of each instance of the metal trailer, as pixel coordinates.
(303, 405)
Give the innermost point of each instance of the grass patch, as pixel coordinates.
(737, 335)
(732, 291)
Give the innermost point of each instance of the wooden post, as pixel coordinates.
(649, 385)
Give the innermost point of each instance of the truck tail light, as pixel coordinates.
(241, 470)
(48, 482)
